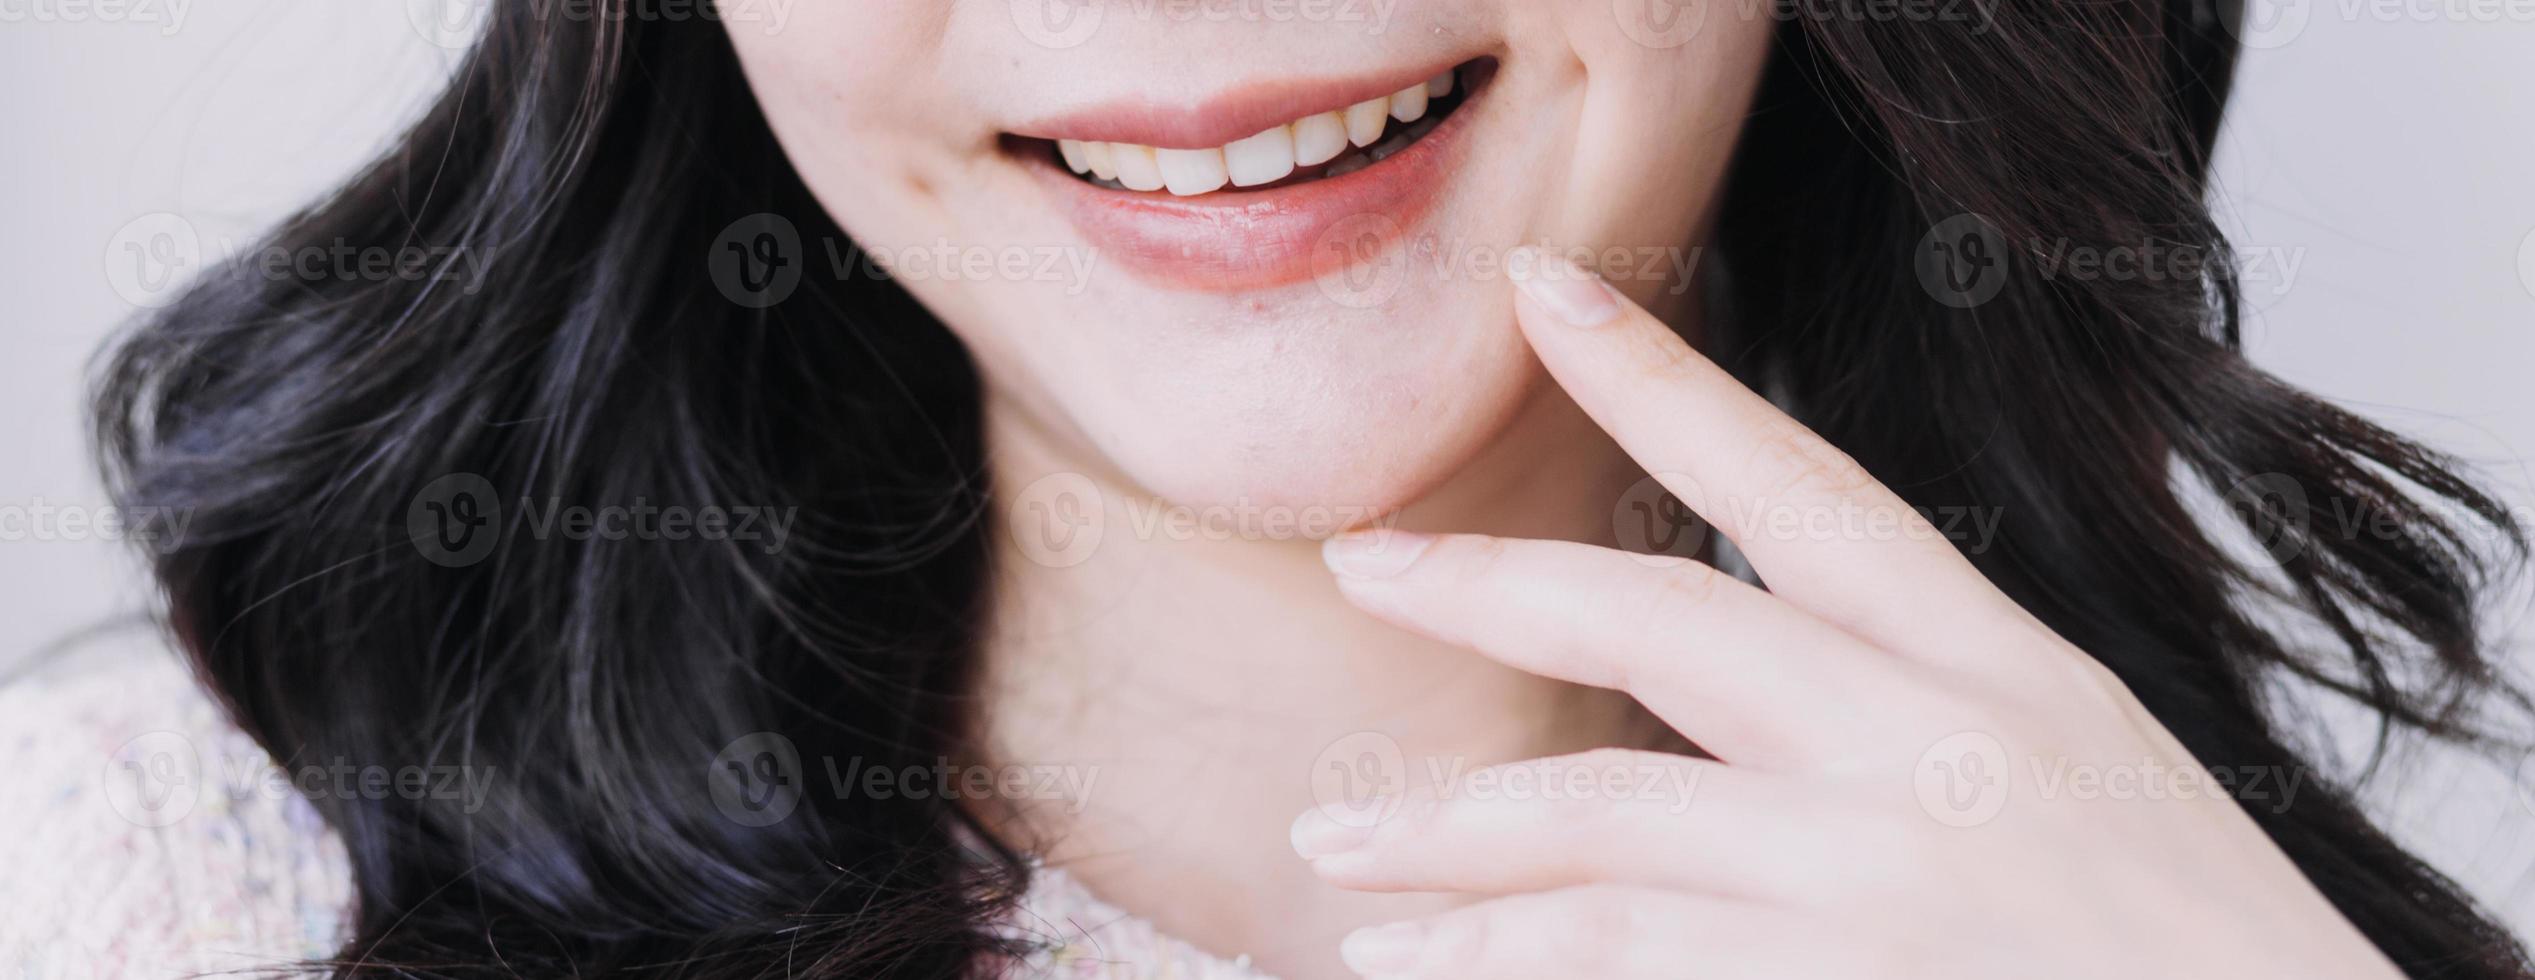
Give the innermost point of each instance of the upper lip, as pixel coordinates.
(1237, 112)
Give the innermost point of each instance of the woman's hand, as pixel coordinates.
(1914, 778)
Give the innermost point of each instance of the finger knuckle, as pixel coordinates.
(1666, 361)
(1790, 461)
(1694, 583)
(1474, 557)
(1665, 598)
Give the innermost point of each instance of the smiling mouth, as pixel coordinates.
(1319, 146)
(1262, 187)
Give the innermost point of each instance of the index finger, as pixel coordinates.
(1823, 532)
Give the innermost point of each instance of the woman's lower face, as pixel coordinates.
(1312, 309)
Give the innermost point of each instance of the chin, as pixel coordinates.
(1365, 415)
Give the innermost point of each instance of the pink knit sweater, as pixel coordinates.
(143, 836)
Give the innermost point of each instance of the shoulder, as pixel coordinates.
(1074, 933)
(147, 837)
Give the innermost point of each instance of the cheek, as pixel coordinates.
(853, 93)
(1660, 96)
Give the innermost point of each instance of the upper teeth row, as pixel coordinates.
(1262, 159)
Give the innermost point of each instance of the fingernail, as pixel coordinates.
(1569, 293)
(1372, 554)
(1318, 835)
(1392, 948)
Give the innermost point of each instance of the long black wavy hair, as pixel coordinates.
(592, 163)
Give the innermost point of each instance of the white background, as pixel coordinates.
(2380, 149)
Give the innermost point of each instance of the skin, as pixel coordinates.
(1208, 680)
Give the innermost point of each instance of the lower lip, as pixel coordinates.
(1236, 241)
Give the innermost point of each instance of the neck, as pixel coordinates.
(1201, 682)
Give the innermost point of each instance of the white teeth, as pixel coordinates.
(1103, 166)
(1267, 157)
(1365, 120)
(1262, 159)
(1319, 139)
(1188, 172)
(1136, 167)
(1409, 104)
